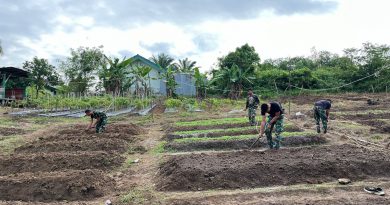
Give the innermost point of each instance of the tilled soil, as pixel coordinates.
(369, 116)
(249, 169)
(7, 131)
(51, 186)
(207, 127)
(241, 144)
(118, 128)
(56, 161)
(378, 125)
(228, 133)
(99, 144)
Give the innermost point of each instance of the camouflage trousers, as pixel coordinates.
(252, 116)
(278, 125)
(320, 114)
(101, 125)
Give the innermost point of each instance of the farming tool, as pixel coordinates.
(257, 124)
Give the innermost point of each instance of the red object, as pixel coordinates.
(15, 93)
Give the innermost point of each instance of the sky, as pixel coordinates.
(201, 30)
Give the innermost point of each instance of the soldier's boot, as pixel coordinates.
(278, 139)
(318, 129)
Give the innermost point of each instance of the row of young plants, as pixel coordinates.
(234, 129)
(205, 104)
(72, 103)
(239, 137)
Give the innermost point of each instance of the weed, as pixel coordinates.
(9, 143)
(135, 196)
(159, 148)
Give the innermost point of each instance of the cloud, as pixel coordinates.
(48, 28)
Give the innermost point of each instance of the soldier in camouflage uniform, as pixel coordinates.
(321, 112)
(101, 120)
(274, 119)
(252, 102)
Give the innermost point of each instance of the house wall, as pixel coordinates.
(185, 84)
(157, 85)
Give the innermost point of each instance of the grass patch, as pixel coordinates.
(377, 138)
(212, 122)
(159, 148)
(141, 195)
(9, 143)
(240, 137)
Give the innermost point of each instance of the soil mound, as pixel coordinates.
(100, 144)
(56, 161)
(115, 128)
(7, 131)
(249, 169)
(241, 144)
(51, 186)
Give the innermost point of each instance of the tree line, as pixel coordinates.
(233, 74)
(241, 69)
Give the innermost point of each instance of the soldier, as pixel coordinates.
(101, 120)
(321, 112)
(252, 103)
(275, 119)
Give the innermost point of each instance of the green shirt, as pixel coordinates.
(97, 115)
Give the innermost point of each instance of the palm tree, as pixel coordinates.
(163, 60)
(231, 80)
(186, 65)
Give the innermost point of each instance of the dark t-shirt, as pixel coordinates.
(275, 107)
(324, 104)
(97, 114)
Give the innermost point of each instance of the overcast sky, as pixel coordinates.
(201, 30)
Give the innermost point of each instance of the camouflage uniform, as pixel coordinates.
(320, 114)
(101, 124)
(251, 104)
(320, 109)
(278, 131)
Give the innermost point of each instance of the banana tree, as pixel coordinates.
(170, 82)
(231, 80)
(141, 78)
(200, 83)
(116, 77)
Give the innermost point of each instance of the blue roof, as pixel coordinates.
(147, 62)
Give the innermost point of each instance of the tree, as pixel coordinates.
(200, 83)
(231, 80)
(115, 78)
(141, 76)
(163, 60)
(186, 65)
(236, 70)
(244, 57)
(41, 73)
(170, 82)
(81, 67)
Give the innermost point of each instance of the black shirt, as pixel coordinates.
(275, 107)
(324, 104)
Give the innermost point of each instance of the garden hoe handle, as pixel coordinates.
(257, 138)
